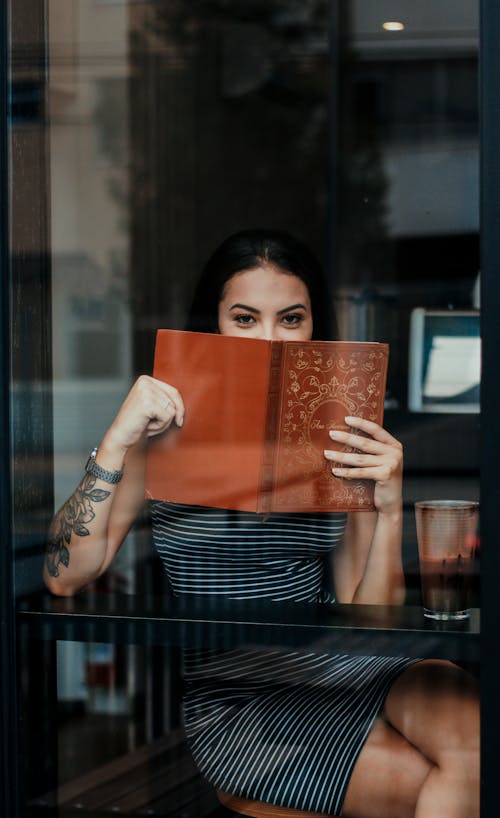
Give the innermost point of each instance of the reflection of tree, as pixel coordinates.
(229, 113)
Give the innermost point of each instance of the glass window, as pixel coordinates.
(143, 133)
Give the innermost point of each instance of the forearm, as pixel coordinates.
(77, 541)
(369, 564)
(382, 582)
(87, 531)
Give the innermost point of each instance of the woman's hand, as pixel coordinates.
(150, 408)
(378, 457)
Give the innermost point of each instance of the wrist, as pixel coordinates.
(393, 513)
(112, 476)
(111, 453)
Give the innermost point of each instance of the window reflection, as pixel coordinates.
(169, 126)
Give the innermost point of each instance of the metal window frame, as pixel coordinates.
(8, 709)
(490, 399)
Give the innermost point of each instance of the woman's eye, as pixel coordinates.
(293, 318)
(244, 318)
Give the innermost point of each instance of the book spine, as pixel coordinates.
(268, 456)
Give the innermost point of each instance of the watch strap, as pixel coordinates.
(92, 467)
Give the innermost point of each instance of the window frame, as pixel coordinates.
(490, 396)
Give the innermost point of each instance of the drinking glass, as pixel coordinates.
(447, 544)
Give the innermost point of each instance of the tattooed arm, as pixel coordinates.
(88, 530)
(72, 520)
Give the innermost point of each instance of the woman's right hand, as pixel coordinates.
(149, 409)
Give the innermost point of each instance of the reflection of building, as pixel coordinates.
(89, 147)
(89, 132)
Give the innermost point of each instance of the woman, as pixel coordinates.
(357, 736)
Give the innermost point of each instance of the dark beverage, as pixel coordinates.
(445, 585)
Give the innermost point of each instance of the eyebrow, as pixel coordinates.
(256, 312)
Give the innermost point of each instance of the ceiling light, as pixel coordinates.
(393, 25)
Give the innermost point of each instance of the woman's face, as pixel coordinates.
(266, 303)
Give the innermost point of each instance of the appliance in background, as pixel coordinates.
(444, 361)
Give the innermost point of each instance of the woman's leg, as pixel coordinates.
(434, 705)
(421, 759)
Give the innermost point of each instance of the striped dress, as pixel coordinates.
(276, 725)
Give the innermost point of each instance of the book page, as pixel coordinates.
(322, 383)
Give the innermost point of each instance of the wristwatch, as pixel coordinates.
(97, 471)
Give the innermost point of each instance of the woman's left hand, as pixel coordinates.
(378, 457)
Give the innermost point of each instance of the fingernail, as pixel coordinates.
(329, 453)
(335, 433)
(338, 472)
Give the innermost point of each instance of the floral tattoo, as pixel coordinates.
(73, 518)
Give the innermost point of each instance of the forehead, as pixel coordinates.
(263, 283)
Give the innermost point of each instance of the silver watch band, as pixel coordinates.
(92, 467)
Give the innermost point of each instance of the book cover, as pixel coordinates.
(257, 419)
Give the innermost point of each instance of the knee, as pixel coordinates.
(453, 697)
(438, 676)
(435, 705)
(438, 688)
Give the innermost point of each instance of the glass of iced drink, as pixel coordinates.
(447, 534)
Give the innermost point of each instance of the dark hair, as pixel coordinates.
(247, 250)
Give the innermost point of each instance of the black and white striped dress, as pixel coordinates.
(280, 725)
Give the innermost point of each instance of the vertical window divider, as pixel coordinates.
(490, 400)
(8, 725)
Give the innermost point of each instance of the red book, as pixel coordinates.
(257, 420)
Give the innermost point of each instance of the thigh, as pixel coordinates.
(387, 777)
